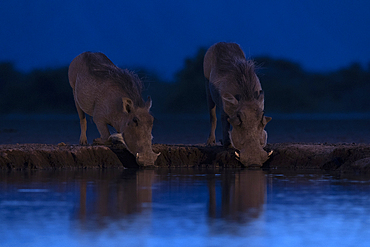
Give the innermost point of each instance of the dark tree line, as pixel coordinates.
(288, 88)
(38, 91)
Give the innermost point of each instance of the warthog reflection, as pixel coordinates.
(242, 195)
(115, 197)
(236, 196)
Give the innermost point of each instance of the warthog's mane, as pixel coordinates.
(102, 67)
(234, 67)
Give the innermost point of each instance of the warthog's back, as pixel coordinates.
(220, 55)
(100, 66)
(94, 78)
(228, 70)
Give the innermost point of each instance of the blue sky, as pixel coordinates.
(321, 35)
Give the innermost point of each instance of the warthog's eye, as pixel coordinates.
(235, 120)
(239, 118)
(136, 121)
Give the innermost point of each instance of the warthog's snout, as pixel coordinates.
(142, 159)
(146, 159)
(253, 159)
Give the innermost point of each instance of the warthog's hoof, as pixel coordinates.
(83, 141)
(211, 142)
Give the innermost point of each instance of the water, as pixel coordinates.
(183, 207)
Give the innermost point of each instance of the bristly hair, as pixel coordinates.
(232, 64)
(102, 67)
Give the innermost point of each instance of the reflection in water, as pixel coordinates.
(114, 197)
(233, 196)
(175, 207)
(242, 195)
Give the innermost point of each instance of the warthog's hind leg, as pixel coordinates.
(83, 125)
(212, 117)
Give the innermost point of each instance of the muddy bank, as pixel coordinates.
(298, 156)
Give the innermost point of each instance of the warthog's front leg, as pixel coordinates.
(213, 119)
(103, 130)
(225, 130)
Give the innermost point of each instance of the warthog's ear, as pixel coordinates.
(148, 103)
(229, 103)
(128, 105)
(260, 96)
(265, 120)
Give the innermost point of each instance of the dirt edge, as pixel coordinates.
(298, 156)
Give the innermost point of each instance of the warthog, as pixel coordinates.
(112, 96)
(232, 85)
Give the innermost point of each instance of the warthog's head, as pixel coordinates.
(137, 131)
(248, 122)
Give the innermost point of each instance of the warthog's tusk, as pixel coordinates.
(158, 154)
(137, 155)
(237, 156)
(269, 154)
